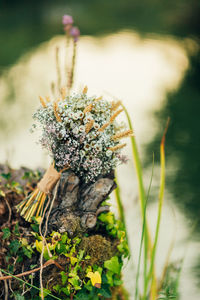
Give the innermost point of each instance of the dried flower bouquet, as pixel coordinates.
(80, 133)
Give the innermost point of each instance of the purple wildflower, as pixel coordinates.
(75, 33)
(67, 20)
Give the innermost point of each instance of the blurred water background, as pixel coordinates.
(145, 53)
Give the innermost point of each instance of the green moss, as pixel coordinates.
(98, 248)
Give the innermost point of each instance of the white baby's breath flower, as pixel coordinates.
(96, 126)
(108, 153)
(82, 153)
(75, 116)
(98, 147)
(93, 143)
(80, 114)
(82, 128)
(87, 147)
(75, 130)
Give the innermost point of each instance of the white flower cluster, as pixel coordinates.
(73, 137)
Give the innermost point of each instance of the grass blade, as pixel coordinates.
(142, 197)
(142, 236)
(160, 205)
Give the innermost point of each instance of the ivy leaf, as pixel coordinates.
(113, 265)
(27, 252)
(105, 291)
(45, 292)
(19, 259)
(75, 282)
(16, 229)
(80, 256)
(117, 282)
(64, 238)
(82, 295)
(73, 260)
(6, 176)
(106, 218)
(14, 184)
(6, 233)
(19, 297)
(95, 278)
(14, 246)
(39, 247)
(66, 291)
(64, 277)
(35, 227)
(109, 276)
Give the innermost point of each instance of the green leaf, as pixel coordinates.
(61, 248)
(75, 282)
(117, 282)
(109, 276)
(19, 259)
(76, 240)
(33, 266)
(27, 252)
(56, 287)
(45, 292)
(80, 256)
(66, 291)
(107, 218)
(6, 176)
(82, 295)
(64, 277)
(14, 246)
(105, 291)
(35, 227)
(64, 238)
(6, 233)
(16, 229)
(19, 297)
(11, 268)
(14, 184)
(113, 265)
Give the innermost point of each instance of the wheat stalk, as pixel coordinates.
(63, 92)
(85, 90)
(42, 101)
(88, 108)
(55, 107)
(115, 105)
(117, 147)
(89, 126)
(48, 99)
(99, 98)
(112, 118)
(123, 134)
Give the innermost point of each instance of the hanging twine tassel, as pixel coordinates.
(34, 204)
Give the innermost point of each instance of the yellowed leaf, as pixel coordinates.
(73, 260)
(95, 278)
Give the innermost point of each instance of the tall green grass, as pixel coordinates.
(149, 279)
(142, 236)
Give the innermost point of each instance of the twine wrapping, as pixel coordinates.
(49, 180)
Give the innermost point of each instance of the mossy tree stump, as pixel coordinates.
(74, 220)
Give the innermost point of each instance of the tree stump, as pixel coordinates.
(77, 205)
(75, 211)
